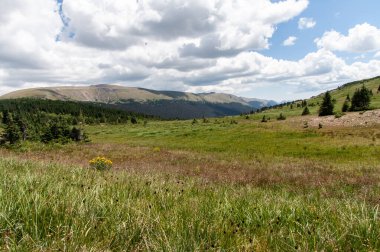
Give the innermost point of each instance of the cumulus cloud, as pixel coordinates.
(306, 23)
(186, 45)
(361, 38)
(291, 41)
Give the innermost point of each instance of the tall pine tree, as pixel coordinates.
(361, 99)
(327, 106)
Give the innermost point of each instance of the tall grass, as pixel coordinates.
(53, 207)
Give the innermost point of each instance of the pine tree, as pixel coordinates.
(12, 132)
(346, 106)
(6, 117)
(327, 106)
(76, 135)
(306, 111)
(361, 99)
(133, 120)
(348, 98)
(22, 125)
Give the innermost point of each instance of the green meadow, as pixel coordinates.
(229, 184)
(216, 184)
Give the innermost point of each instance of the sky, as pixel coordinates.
(269, 49)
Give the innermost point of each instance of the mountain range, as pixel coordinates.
(165, 104)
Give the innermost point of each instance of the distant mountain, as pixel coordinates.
(166, 104)
(259, 103)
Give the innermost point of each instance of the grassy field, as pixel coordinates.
(230, 184)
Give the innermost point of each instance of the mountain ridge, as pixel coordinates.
(166, 104)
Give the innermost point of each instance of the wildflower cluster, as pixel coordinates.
(101, 163)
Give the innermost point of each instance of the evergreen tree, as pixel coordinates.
(378, 89)
(348, 98)
(306, 111)
(76, 135)
(327, 106)
(57, 131)
(12, 132)
(361, 99)
(264, 119)
(134, 120)
(6, 117)
(346, 106)
(22, 125)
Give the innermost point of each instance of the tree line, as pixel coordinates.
(55, 121)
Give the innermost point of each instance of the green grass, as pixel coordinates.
(248, 140)
(178, 186)
(52, 207)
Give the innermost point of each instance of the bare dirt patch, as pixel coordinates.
(352, 119)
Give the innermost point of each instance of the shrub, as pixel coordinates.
(264, 119)
(100, 163)
(306, 111)
(339, 115)
(281, 117)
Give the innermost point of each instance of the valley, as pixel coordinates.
(231, 183)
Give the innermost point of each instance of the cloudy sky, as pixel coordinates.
(268, 49)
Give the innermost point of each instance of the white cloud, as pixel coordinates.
(306, 23)
(361, 38)
(291, 41)
(177, 44)
(377, 55)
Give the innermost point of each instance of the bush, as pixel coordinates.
(281, 117)
(264, 119)
(306, 111)
(100, 163)
(339, 115)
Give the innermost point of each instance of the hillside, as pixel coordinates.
(339, 95)
(166, 104)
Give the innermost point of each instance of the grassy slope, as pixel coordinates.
(338, 94)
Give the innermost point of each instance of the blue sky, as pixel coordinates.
(281, 50)
(339, 15)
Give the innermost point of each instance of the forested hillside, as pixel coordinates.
(55, 121)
